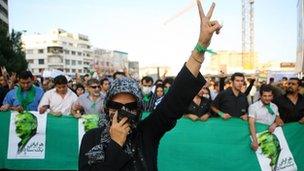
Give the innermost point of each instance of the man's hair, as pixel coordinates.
(93, 81)
(237, 74)
(169, 80)
(103, 80)
(266, 88)
(147, 79)
(60, 79)
(25, 75)
(296, 79)
(284, 78)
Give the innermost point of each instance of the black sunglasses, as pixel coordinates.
(115, 105)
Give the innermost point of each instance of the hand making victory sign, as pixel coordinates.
(207, 28)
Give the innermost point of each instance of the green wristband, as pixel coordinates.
(220, 113)
(200, 49)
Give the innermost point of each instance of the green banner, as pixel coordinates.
(212, 145)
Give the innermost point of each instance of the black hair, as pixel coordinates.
(25, 75)
(296, 79)
(266, 88)
(237, 74)
(78, 85)
(159, 86)
(169, 80)
(60, 79)
(147, 79)
(103, 80)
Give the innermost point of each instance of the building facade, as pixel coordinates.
(109, 61)
(227, 62)
(4, 14)
(300, 38)
(134, 69)
(58, 49)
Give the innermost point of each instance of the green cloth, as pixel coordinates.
(146, 98)
(268, 107)
(61, 145)
(29, 97)
(212, 145)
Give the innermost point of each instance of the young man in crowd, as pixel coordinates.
(291, 105)
(232, 102)
(25, 96)
(104, 87)
(262, 111)
(149, 97)
(59, 99)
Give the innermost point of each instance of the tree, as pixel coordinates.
(12, 56)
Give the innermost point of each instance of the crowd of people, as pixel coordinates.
(125, 142)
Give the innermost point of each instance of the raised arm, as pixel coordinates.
(186, 85)
(207, 28)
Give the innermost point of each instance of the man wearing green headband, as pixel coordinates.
(25, 96)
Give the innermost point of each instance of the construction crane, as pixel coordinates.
(248, 55)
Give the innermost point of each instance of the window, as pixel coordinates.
(79, 62)
(29, 51)
(67, 70)
(73, 53)
(66, 51)
(73, 70)
(64, 43)
(30, 61)
(40, 50)
(73, 62)
(67, 62)
(71, 44)
(41, 61)
(79, 53)
(79, 71)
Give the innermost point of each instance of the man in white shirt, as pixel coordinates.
(262, 111)
(59, 99)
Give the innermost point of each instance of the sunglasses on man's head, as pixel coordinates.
(115, 105)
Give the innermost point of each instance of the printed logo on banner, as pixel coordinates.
(273, 152)
(27, 135)
(86, 123)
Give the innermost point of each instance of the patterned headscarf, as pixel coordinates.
(120, 85)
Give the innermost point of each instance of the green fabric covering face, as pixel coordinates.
(166, 90)
(29, 97)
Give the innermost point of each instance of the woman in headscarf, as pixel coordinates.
(122, 142)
